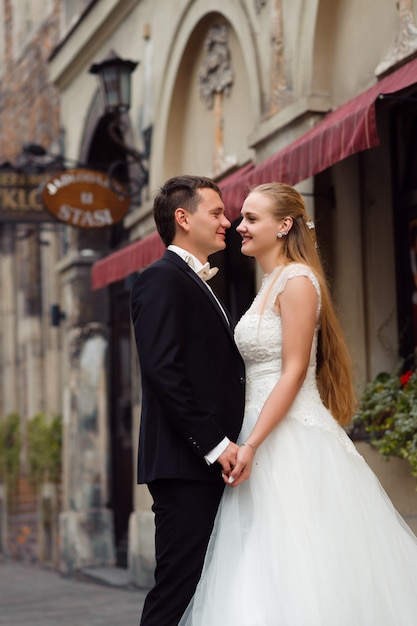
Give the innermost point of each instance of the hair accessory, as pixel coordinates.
(310, 225)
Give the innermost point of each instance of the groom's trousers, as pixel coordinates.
(184, 518)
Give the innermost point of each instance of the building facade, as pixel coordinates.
(30, 384)
(245, 92)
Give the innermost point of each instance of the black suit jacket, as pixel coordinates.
(193, 381)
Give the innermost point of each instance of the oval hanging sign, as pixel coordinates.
(85, 198)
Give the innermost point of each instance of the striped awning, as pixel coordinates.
(343, 132)
(133, 257)
(349, 129)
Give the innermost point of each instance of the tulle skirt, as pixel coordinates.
(311, 539)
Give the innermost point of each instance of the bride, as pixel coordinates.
(305, 536)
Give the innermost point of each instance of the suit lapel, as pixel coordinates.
(172, 257)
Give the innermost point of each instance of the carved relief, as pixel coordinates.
(259, 4)
(280, 94)
(216, 74)
(406, 41)
(216, 79)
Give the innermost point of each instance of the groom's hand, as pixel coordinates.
(243, 466)
(228, 460)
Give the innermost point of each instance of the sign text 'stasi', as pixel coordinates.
(85, 198)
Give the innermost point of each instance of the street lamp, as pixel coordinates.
(114, 77)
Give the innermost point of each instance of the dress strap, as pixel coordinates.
(291, 271)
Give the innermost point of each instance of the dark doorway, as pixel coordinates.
(404, 151)
(235, 283)
(121, 418)
(99, 151)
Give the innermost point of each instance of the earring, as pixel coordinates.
(281, 235)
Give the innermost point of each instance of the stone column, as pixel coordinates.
(8, 316)
(141, 523)
(86, 523)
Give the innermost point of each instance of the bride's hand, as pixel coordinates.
(243, 467)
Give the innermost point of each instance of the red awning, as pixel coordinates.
(343, 132)
(140, 254)
(127, 260)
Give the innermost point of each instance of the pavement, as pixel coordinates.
(34, 596)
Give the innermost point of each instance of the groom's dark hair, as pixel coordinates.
(180, 191)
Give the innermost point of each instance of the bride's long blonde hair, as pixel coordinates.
(334, 371)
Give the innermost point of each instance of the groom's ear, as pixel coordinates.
(181, 219)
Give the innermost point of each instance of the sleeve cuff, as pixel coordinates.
(212, 456)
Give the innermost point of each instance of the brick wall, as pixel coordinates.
(22, 528)
(29, 112)
(29, 104)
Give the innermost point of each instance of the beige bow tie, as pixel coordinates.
(206, 272)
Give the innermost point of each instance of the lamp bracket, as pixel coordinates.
(117, 129)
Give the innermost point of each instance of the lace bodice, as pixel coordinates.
(258, 336)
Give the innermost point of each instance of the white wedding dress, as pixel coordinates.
(311, 539)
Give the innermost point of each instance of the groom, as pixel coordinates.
(193, 389)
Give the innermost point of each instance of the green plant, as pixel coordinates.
(388, 414)
(10, 447)
(44, 448)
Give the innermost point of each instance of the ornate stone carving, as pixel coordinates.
(259, 4)
(280, 93)
(216, 73)
(216, 79)
(406, 41)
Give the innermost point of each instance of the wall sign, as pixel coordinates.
(19, 198)
(84, 198)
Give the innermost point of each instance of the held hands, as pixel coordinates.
(228, 460)
(242, 467)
